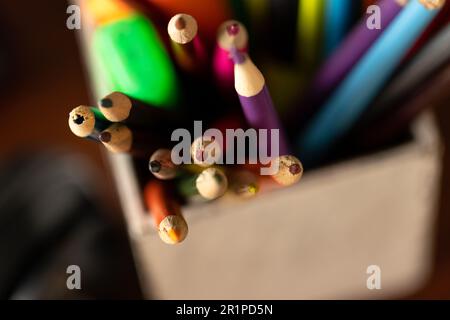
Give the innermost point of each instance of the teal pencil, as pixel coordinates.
(338, 17)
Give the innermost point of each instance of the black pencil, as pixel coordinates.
(283, 18)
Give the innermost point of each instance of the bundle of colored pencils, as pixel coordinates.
(163, 65)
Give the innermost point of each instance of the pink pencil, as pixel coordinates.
(231, 34)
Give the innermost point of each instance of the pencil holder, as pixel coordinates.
(322, 238)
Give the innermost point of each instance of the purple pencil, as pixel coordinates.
(334, 70)
(255, 99)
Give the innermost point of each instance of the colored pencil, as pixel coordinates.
(338, 16)
(210, 184)
(87, 122)
(240, 11)
(165, 211)
(439, 22)
(232, 121)
(345, 106)
(290, 170)
(231, 33)
(255, 100)
(106, 11)
(189, 50)
(432, 57)
(128, 50)
(162, 166)
(243, 183)
(337, 66)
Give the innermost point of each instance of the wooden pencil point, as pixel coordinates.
(173, 229)
(212, 183)
(205, 151)
(85, 121)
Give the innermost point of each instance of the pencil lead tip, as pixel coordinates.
(106, 103)
(105, 137)
(237, 56)
(155, 166)
(253, 189)
(295, 169)
(180, 23)
(233, 29)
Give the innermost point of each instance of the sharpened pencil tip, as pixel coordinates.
(174, 235)
(105, 137)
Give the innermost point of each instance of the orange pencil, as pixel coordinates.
(166, 212)
(289, 170)
(187, 46)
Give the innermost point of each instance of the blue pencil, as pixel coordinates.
(364, 82)
(338, 16)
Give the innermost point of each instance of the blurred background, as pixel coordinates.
(58, 204)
